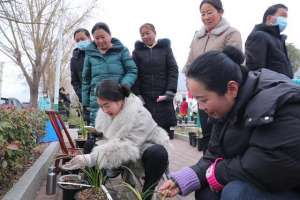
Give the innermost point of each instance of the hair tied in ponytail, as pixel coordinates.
(234, 54)
(124, 89)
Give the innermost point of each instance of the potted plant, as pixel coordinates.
(97, 191)
(82, 134)
(192, 138)
(71, 184)
(138, 195)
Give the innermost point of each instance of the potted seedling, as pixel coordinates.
(138, 195)
(97, 191)
(134, 187)
(70, 184)
(192, 138)
(82, 135)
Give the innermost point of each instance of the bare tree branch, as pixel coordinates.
(28, 36)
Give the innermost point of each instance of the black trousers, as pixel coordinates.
(206, 194)
(155, 163)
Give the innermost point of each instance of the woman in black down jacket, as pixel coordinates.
(83, 39)
(157, 76)
(254, 149)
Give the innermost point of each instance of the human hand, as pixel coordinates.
(169, 189)
(78, 162)
(161, 98)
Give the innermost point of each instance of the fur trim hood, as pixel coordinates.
(222, 26)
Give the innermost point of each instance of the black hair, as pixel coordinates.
(215, 69)
(217, 4)
(272, 10)
(149, 26)
(82, 30)
(112, 90)
(101, 25)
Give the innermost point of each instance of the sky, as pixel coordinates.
(174, 19)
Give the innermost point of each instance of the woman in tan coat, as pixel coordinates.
(215, 34)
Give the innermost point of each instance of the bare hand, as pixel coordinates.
(169, 189)
(161, 98)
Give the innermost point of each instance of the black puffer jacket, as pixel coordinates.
(157, 74)
(265, 47)
(76, 65)
(260, 138)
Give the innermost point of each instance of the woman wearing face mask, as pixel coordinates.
(105, 58)
(157, 76)
(265, 46)
(214, 35)
(130, 135)
(254, 150)
(82, 38)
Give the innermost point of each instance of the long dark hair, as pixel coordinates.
(216, 68)
(112, 90)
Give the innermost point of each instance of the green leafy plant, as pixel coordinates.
(19, 132)
(139, 195)
(95, 176)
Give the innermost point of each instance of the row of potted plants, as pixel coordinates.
(90, 185)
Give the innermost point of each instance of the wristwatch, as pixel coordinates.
(211, 177)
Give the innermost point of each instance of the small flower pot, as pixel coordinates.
(185, 120)
(72, 126)
(171, 134)
(200, 144)
(194, 140)
(191, 134)
(80, 143)
(69, 191)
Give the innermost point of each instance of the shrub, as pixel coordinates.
(19, 131)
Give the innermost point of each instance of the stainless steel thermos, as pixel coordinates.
(51, 181)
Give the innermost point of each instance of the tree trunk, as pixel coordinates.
(34, 92)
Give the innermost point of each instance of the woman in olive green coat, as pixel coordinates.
(105, 58)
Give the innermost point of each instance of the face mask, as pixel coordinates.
(281, 22)
(82, 44)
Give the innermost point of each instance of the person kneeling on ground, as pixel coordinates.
(254, 149)
(130, 135)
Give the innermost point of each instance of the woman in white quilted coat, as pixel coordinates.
(130, 134)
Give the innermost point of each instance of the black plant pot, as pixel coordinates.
(80, 143)
(186, 120)
(69, 191)
(200, 144)
(191, 134)
(194, 140)
(73, 126)
(171, 134)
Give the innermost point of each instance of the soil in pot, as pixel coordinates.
(91, 194)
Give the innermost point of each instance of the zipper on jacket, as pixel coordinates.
(204, 50)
